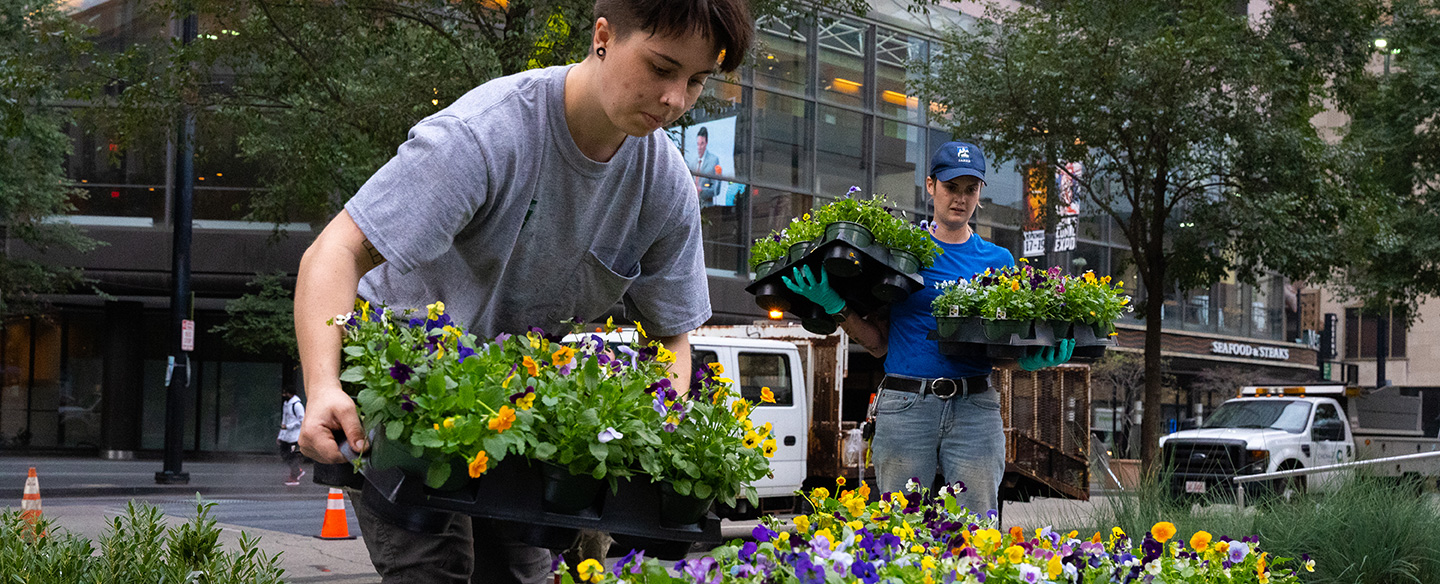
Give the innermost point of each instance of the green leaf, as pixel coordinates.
(438, 473)
(353, 374)
(702, 490)
(544, 450)
(354, 350)
(599, 451)
(393, 429)
(682, 487)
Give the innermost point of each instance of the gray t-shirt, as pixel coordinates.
(490, 207)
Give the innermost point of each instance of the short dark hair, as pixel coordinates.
(703, 133)
(727, 22)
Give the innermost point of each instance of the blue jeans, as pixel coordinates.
(963, 436)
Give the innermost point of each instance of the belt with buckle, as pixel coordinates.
(941, 387)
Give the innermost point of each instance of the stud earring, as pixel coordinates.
(600, 52)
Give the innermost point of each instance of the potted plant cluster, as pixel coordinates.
(870, 255)
(921, 538)
(1002, 312)
(577, 413)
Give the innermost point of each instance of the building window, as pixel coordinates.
(1360, 331)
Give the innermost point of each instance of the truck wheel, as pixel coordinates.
(1289, 488)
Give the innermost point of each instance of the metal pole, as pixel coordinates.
(178, 375)
(1382, 348)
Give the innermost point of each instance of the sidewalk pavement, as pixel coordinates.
(82, 495)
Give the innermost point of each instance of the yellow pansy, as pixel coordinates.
(526, 402)
(917, 549)
(434, 311)
(1053, 568)
(751, 440)
(927, 563)
(802, 523)
(830, 537)
(820, 493)
(449, 423)
(364, 308)
(741, 409)
(1015, 554)
(768, 448)
(640, 329)
(664, 355)
(716, 368)
(591, 571)
(855, 525)
(855, 506)
(987, 540)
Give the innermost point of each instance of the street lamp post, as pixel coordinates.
(178, 374)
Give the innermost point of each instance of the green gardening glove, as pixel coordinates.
(818, 292)
(1048, 356)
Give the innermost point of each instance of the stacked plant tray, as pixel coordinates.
(972, 336)
(515, 493)
(867, 275)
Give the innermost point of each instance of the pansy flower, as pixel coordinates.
(479, 464)
(401, 372)
(531, 366)
(503, 419)
(610, 433)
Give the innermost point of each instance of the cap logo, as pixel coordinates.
(963, 154)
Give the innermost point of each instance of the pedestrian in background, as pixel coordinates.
(292, 412)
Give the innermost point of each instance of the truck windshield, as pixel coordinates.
(1287, 415)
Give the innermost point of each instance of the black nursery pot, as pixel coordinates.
(770, 296)
(891, 289)
(904, 261)
(679, 510)
(842, 261)
(567, 493)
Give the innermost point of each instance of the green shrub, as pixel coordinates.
(1370, 530)
(137, 548)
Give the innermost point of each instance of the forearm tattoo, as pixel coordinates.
(375, 257)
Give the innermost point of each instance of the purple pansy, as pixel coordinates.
(763, 534)
(401, 372)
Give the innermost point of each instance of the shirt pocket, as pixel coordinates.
(595, 286)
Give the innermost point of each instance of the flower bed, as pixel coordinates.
(446, 407)
(870, 256)
(1000, 313)
(917, 538)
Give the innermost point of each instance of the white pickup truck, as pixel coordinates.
(1274, 428)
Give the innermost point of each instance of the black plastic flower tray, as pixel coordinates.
(876, 282)
(511, 493)
(969, 339)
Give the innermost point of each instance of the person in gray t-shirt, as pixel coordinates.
(534, 199)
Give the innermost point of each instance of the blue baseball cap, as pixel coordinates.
(957, 159)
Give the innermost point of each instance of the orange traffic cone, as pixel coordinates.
(335, 526)
(30, 501)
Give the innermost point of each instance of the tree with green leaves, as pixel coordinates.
(1391, 244)
(1191, 122)
(317, 96)
(39, 49)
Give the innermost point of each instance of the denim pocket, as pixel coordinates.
(893, 402)
(989, 401)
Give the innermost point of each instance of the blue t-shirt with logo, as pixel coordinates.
(910, 353)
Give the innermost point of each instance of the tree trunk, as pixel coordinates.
(1155, 285)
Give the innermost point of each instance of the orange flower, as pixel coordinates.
(1163, 531)
(479, 464)
(1017, 534)
(502, 420)
(767, 396)
(562, 356)
(1200, 541)
(531, 366)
